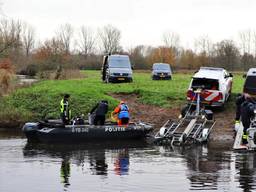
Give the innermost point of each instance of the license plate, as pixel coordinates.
(162, 76)
(121, 79)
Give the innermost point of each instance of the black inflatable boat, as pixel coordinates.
(54, 131)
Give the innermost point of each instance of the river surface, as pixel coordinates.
(121, 167)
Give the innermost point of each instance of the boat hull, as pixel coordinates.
(83, 133)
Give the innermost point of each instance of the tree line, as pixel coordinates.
(85, 47)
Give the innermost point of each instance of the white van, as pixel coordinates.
(116, 68)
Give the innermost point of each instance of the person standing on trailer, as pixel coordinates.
(65, 112)
(122, 110)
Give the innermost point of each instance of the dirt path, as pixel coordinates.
(222, 134)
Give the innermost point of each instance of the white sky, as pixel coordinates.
(140, 21)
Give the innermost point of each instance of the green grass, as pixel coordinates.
(42, 99)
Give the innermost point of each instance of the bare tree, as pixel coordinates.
(246, 41)
(64, 34)
(110, 39)
(28, 38)
(254, 42)
(86, 41)
(203, 44)
(171, 39)
(227, 54)
(10, 32)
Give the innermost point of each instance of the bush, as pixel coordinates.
(6, 75)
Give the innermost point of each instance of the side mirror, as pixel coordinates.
(244, 75)
(132, 67)
(230, 75)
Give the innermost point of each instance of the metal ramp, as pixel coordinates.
(186, 131)
(170, 129)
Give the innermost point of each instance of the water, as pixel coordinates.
(121, 167)
(25, 79)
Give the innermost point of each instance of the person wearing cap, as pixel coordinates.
(122, 111)
(100, 110)
(65, 112)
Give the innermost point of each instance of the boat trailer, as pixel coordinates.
(194, 127)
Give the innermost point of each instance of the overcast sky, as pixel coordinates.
(140, 21)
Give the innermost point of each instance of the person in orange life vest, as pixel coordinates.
(123, 113)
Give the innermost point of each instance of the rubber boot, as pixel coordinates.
(244, 139)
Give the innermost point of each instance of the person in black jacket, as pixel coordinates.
(245, 106)
(100, 110)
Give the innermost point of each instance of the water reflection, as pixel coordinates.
(203, 165)
(119, 166)
(98, 165)
(245, 164)
(121, 163)
(91, 155)
(65, 171)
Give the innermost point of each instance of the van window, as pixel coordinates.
(161, 67)
(119, 63)
(210, 84)
(250, 85)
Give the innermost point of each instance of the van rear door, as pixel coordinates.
(210, 90)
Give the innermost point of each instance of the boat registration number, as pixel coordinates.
(79, 130)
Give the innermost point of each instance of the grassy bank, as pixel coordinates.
(42, 99)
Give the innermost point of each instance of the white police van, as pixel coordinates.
(216, 84)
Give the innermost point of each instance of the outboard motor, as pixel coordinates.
(30, 130)
(78, 121)
(30, 127)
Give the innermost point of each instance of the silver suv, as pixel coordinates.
(161, 71)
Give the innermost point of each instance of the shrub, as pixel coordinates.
(6, 75)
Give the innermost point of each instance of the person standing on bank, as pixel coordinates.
(100, 109)
(65, 112)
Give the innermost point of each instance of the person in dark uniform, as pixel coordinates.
(245, 106)
(65, 112)
(100, 110)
